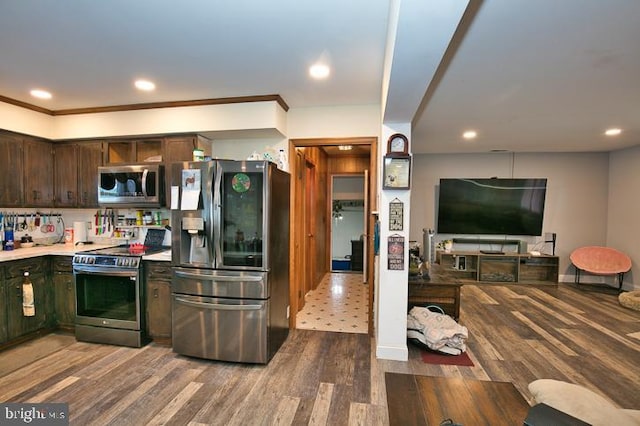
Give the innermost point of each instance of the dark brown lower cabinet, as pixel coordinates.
(3, 314)
(158, 287)
(18, 324)
(64, 291)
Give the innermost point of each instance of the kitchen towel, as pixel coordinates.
(79, 232)
(28, 305)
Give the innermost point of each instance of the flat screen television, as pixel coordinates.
(491, 206)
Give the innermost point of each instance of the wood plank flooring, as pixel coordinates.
(432, 400)
(517, 334)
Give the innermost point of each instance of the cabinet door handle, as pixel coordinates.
(18, 291)
(155, 293)
(69, 195)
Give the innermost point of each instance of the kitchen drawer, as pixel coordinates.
(17, 268)
(62, 264)
(158, 271)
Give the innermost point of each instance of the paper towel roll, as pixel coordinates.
(79, 232)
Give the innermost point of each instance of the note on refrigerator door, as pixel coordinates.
(190, 189)
(175, 196)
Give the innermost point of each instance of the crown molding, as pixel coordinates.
(150, 105)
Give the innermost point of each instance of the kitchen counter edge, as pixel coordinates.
(55, 250)
(69, 250)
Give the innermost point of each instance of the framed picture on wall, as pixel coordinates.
(396, 172)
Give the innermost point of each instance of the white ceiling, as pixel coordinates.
(543, 75)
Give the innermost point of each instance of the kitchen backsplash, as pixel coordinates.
(124, 224)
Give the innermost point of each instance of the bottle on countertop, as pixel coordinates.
(8, 238)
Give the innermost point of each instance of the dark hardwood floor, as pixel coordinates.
(517, 334)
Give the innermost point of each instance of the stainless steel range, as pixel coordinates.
(110, 296)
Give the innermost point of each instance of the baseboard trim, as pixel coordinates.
(393, 353)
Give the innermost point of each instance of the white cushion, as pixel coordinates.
(581, 403)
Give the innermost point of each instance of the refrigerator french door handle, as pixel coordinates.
(218, 306)
(203, 277)
(218, 219)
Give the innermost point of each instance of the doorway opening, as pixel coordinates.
(347, 223)
(320, 164)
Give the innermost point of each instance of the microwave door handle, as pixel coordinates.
(144, 182)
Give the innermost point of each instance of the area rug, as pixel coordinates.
(430, 357)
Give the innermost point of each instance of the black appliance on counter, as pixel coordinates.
(110, 296)
(230, 255)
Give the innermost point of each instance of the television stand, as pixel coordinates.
(491, 252)
(515, 268)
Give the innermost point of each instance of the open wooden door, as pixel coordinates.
(309, 227)
(365, 233)
(298, 232)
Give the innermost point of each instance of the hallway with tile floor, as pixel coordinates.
(338, 304)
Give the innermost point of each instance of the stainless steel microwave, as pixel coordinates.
(131, 185)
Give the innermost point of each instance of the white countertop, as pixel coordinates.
(67, 250)
(163, 256)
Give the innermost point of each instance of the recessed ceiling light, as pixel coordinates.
(614, 131)
(145, 85)
(40, 94)
(319, 71)
(345, 147)
(469, 134)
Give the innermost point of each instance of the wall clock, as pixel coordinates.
(398, 145)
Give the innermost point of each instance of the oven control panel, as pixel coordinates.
(107, 261)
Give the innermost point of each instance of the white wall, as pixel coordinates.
(241, 149)
(251, 118)
(577, 199)
(267, 116)
(21, 120)
(623, 228)
(334, 122)
(391, 292)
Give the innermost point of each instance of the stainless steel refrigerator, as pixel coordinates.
(230, 258)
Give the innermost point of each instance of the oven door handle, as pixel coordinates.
(218, 306)
(203, 277)
(96, 270)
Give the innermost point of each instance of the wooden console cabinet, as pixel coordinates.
(516, 268)
(445, 295)
(439, 288)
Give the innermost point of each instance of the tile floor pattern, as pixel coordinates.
(338, 304)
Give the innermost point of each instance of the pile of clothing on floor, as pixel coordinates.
(436, 331)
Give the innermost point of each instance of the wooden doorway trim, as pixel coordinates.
(297, 224)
